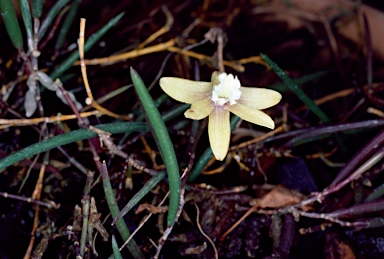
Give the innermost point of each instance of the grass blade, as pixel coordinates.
(90, 42)
(50, 17)
(115, 248)
(140, 194)
(68, 138)
(66, 24)
(282, 87)
(294, 88)
(11, 24)
(164, 144)
(37, 8)
(26, 14)
(114, 208)
(375, 194)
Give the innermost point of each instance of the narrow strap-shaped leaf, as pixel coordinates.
(115, 248)
(11, 24)
(67, 24)
(114, 209)
(37, 8)
(90, 42)
(376, 193)
(164, 144)
(67, 138)
(26, 14)
(51, 15)
(281, 87)
(296, 89)
(140, 194)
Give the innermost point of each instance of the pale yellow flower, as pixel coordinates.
(217, 99)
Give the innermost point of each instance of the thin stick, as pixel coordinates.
(49, 205)
(143, 222)
(164, 29)
(256, 140)
(252, 209)
(90, 100)
(51, 119)
(202, 232)
(166, 46)
(36, 196)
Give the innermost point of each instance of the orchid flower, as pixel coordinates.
(216, 99)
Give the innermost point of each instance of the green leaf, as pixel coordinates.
(282, 87)
(11, 23)
(26, 14)
(67, 138)
(140, 194)
(67, 24)
(50, 17)
(90, 42)
(115, 248)
(114, 209)
(295, 88)
(37, 8)
(164, 144)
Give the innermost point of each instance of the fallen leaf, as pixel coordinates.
(151, 208)
(280, 197)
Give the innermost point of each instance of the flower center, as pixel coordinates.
(228, 90)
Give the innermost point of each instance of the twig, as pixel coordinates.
(143, 222)
(52, 119)
(162, 30)
(202, 232)
(85, 211)
(49, 205)
(90, 100)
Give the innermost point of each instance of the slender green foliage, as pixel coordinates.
(86, 200)
(139, 112)
(113, 93)
(375, 194)
(115, 248)
(140, 194)
(68, 138)
(26, 14)
(90, 42)
(114, 208)
(67, 24)
(37, 8)
(175, 112)
(282, 87)
(11, 24)
(51, 15)
(207, 155)
(164, 144)
(294, 88)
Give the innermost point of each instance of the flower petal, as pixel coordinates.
(184, 90)
(251, 115)
(219, 132)
(259, 98)
(200, 109)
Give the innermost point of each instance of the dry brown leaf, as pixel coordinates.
(151, 208)
(346, 251)
(94, 220)
(196, 250)
(280, 197)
